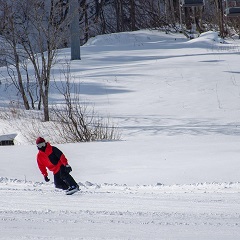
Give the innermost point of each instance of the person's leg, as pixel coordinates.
(59, 183)
(67, 178)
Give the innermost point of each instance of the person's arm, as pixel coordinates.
(42, 168)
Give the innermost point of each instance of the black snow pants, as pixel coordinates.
(63, 179)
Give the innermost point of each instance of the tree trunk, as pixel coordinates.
(220, 17)
(20, 83)
(17, 66)
(133, 15)
(121, 16)
(188, 19)
(86, 28)
(171, 9)
(118, 19)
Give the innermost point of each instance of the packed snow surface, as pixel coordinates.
(175, 172)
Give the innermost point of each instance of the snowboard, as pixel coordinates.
(72, 191)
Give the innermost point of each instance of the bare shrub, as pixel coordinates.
(33, 128)
(79, 122)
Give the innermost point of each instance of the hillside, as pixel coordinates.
(175, 172)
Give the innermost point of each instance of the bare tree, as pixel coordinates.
(48, 34)
(39, 27)
(12, 53)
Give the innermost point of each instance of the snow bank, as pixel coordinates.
(207, 38)
(132, 38)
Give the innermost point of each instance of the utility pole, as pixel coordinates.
(74, 30)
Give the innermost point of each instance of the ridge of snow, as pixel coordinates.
(208, 38)
(214, 187)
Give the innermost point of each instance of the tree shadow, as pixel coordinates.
(86, 88)
(232, 72)
(154, 125)
(213, 61)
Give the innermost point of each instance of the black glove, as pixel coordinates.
(46, 179)
(68, 168)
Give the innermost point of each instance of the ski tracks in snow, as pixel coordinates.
(32, 210)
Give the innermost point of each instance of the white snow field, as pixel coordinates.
(174, 174)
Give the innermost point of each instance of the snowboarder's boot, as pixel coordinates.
(71, 190)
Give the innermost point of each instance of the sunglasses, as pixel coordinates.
(42, 144)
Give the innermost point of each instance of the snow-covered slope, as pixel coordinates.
(174, 174)
(36, 211)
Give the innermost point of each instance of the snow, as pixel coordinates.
(175, 172)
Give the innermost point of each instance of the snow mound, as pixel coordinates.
(208, 38)
(132, 38)
(88, 187)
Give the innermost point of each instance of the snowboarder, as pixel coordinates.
(51, 158)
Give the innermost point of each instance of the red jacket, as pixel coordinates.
(52, 158)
